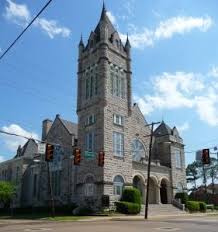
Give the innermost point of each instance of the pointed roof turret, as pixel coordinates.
(127, 42)
(103, 12)
(104, 22)
(81, 41)
(163, 129)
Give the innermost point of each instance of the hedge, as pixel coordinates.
(183, 197)
(131, 194)
(128, 207)
(202, 206)
(210, 207)
(193, 206)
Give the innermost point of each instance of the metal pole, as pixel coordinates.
(149, 168)
(50, 192)
(205, 182)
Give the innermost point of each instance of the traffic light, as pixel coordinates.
(205, 156)
(77, 156)
(49, 153)
(101, 159)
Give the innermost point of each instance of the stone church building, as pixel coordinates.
(108, 121)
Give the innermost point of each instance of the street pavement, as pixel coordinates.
(189, 223)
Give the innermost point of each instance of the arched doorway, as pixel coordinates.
(153, 191)
(139, 184)
(163, 192)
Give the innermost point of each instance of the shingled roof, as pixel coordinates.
(163, 129)
(104, 18)
(70, 126)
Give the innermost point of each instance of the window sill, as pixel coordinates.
(118, 125)
(118, 157)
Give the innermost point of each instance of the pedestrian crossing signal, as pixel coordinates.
(205, 156)
(49, 153)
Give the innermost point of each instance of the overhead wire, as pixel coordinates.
(29, 24)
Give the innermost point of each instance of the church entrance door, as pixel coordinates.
(163, 192)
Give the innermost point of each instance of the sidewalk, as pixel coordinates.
(104, 218)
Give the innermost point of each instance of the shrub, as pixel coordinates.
(128, 207)
(202, 206)
(193, 206)
(210, 207)
(216, 207)
(83, 211)
(183, 197)
(131, 194)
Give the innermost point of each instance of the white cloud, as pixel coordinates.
(51, 28)
(182, 90)
(12, 142)
(185, 126)
(141, 38)
(17, 13)
(2, 158)
(111, 17)
(213, 72)
(181, 25)
(207, 107)
(172, 90)
(129, 6)
(20, 15)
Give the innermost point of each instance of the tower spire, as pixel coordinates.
(103, 12)
(127, 42)
(81, 40)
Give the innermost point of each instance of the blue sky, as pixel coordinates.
(174, 64)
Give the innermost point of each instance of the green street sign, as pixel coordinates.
(89, 155)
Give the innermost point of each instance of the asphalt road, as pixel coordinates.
(188, 224)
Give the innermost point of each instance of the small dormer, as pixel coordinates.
(115, 40)
(175, 132)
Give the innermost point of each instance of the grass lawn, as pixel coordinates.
(45, 217)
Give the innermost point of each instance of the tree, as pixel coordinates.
(7, 190)
(192, 173)
(212, 172)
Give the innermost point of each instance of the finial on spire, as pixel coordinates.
(103, 12)
(81, 40)
(127, 42)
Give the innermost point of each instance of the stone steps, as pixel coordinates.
(161, 209)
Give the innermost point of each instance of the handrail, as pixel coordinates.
(177, 203)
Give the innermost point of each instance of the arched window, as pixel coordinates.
(138, 150)
(118, 185)
(89, 186)
(118, 81)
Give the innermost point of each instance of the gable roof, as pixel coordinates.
(70, 126)
(21, 150)
(163, 129)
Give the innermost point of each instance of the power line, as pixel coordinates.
(41, 141)
(31, 22)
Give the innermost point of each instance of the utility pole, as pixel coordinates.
(149, 166)
(205, 183)
(51, 198)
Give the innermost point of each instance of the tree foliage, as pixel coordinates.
(7, 190)
(206, 173)
(193, 173)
